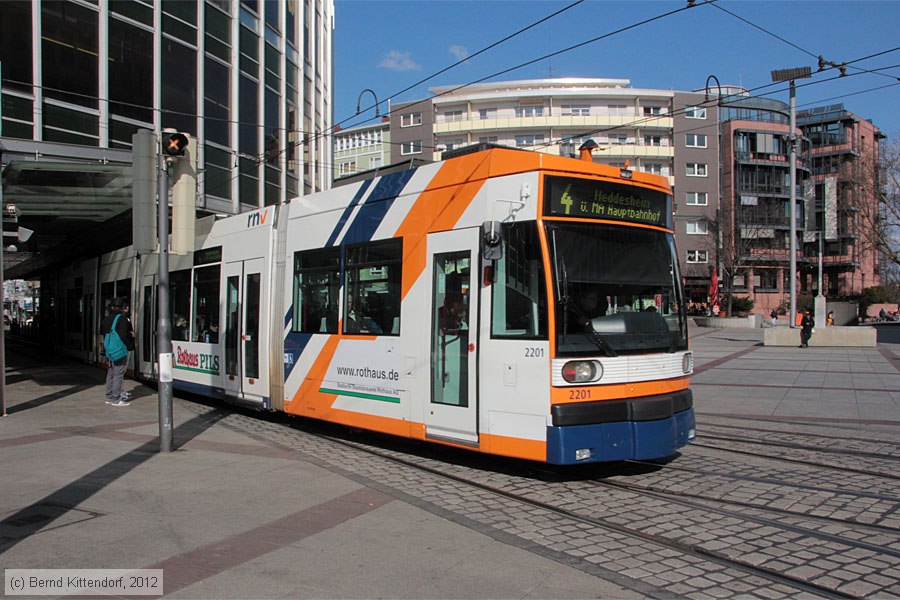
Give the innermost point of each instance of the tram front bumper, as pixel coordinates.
(634, 429)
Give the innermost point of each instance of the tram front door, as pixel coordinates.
(242, 331)
(452, 412)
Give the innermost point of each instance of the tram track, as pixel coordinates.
(805, 434)
(772, 481)
(698, 501)
(804, 447)
(799, 461)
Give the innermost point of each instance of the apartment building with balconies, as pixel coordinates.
(754, 215)
(841, 201)
(557, 115)
(362, 148)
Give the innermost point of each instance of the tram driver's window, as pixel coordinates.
(205, 313)
(317, 283)
(372, 288)
(180, 304)
(519, 293)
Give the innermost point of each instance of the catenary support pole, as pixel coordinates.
(793, 159)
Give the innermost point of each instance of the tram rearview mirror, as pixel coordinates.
(491, 248)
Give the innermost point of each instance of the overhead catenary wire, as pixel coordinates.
(545, 57)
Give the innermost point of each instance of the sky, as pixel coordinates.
(389, 45)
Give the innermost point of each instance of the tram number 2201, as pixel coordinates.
(534, 352)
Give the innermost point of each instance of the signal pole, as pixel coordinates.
(164, 322)
(173, 146)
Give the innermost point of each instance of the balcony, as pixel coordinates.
(464, 125)
(758, 158)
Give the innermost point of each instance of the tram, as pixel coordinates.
(510, 302)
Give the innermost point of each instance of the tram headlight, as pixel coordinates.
(582, 371)
(687, 362)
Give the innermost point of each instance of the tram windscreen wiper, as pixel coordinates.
(601, 343)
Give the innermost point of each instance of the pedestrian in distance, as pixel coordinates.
(117, 333)
(829, 320)
(806, 329)
(774, 317)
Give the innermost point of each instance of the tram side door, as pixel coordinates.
(452, 411)
(243, 342)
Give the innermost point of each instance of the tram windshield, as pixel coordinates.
(617, 291)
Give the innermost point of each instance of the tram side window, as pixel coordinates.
(519, 290)
(180, 304)
(107, 293)
(372, 292)
(317, 282)
(123, 289)
(205, 313)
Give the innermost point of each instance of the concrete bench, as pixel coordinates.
(863, 337)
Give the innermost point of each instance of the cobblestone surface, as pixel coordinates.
(839, 534)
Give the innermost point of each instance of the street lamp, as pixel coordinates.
(791, 75)
(359, 99)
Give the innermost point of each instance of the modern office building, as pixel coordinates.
(250, 80)
(362, 148)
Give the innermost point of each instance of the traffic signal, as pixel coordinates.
(10, 224)
(173, 143)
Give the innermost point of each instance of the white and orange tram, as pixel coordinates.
(510, 302)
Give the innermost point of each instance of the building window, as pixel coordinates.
(530, 110)
(652, 111)
(695, 199)
(654, 168)
(697, 228)
(695, 140)
(619, 139)
(696, 170)
(490, 139)
(454, 143)
(653, 140)
(453, 116)
(410, 120)
(618, 110)
(348, 168)
(529, 140)
(694, 112)
(576, 110)
(487, 113)
(411, 147)
(697, 256)
(376, 162)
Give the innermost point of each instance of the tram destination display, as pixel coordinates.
(592, 199)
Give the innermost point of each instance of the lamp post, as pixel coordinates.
(359, 99)
(792, 75)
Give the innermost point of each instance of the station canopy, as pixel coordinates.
(76, 199)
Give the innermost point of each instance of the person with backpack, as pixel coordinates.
(118, 340)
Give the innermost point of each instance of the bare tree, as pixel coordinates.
(877, 183)
(748, 237)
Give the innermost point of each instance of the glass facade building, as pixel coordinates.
(250, 80)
